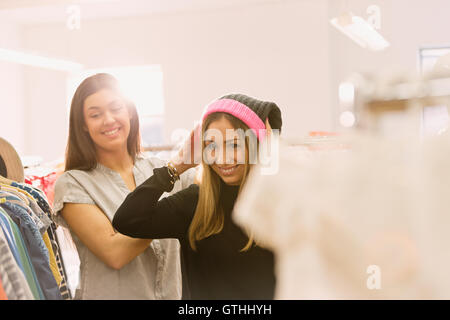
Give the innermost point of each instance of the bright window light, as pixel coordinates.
(435, 119)
(429, 58)
(141, 84)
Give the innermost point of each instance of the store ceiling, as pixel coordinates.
(41, 11)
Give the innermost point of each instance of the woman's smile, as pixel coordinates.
(227, 171)
(112, 133)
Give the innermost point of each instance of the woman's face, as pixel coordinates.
(107, 120)
(225, 152)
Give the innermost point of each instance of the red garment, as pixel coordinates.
(45, 183)
(3, 295)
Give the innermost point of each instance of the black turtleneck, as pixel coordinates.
(217, 269)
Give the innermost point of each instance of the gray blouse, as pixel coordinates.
(154, 274)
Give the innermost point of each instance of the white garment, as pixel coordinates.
(367, 223)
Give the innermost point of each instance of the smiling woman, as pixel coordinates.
(103, 164)
(107, 120)
(97, 106)
(143, 85)
(220, 260)
(225, 152)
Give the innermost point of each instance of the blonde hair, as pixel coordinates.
(209, 216)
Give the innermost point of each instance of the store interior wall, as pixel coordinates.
(12, 105)
(266, 50)
(285, 51)
(203, 56)
(408, 25)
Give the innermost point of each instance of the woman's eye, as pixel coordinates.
(211, 146)
(95, 115)
(233, 145)
(117, 107)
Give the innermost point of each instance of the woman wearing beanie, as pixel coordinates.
(219, 259)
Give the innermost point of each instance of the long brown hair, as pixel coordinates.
(80, 151)
(209, 215)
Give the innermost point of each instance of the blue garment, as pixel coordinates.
(23, 256)
(4, 224)
(38, 203)
(40, 218)
(36, 248)
(37, 195)
(23, 210)
(10, 195)
(42, 202)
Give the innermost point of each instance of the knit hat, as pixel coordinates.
(10, 164)
(251, 111)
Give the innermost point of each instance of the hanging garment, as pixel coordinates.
(70, 259)
(369, 223)
(52, 260)
(26, 224)
(7, 229)
(3, 295)
(13, 280)
(24, 258)
(45, 183)
(26, 214)
(37, 194)
(38, 218)
(41, 199)
(12, 197)
(36, 248)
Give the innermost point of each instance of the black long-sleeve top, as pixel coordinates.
(217, 269)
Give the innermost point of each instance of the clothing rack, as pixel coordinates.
(159, 148)
(31, 265)
(375, 97)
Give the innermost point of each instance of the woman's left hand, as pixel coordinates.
(268, 128)
(189, 155)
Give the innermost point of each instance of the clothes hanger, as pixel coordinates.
(5, 180)
(10, 163)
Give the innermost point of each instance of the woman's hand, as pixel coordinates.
(198, 175)
(268, 128)
(189, 155)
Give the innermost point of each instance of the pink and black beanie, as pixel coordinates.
(251, 111)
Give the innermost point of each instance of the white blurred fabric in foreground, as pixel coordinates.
(333, 217)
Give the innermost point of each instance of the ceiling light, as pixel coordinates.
(360, 31)
(38, 61)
